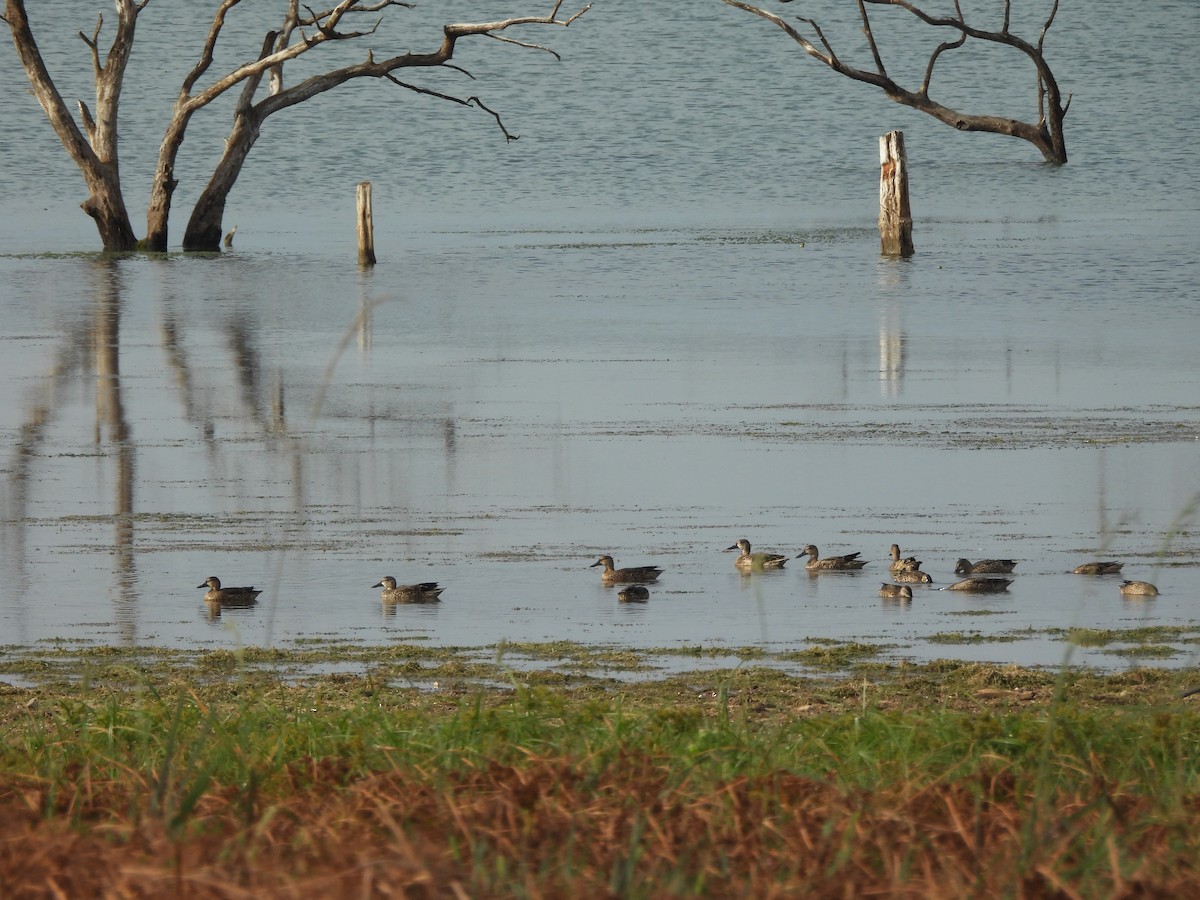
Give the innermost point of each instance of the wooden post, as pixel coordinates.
(366, 226)
(895, 215)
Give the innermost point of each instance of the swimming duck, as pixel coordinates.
(848, 563)
(984, 566)
(611, 575)
(903, 591)
(1099, 568)
(424, 592)
(756, 561)
(980, 585)
(1138, 589)
(635, 593)
(908, 564)
(914, 576)
(230, 596)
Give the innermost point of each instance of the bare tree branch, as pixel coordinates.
(529, 46)
(829, 58)
(942, 48)
(468, 101)
(89, 124)
(1046, 133)
(862, 12)
(246, 100)
(93, 45)
(1045, 27)
(210, 45)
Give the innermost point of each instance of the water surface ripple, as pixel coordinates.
(654, 325)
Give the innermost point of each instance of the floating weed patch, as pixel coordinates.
(1145, 651)
(604, 245)
(574, 654)
(975, 612)
(1101, 637)
(834, 655)
(1091, 637)
(699, 651)
(822, 236)
(624, 659)
(532, 553)
(972, 637)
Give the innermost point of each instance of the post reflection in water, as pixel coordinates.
(366, 324)
(891, 352)
(892, 280)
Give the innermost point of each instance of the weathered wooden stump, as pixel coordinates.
(895, 215)
(366, 226)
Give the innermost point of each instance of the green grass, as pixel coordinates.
(949, 777)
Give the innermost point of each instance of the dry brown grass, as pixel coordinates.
(541, 829)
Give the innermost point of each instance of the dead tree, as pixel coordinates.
(92, 140)
(1046, 133)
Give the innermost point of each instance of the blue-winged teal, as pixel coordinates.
(1138, 589)
(902, 591)
(635, 593)
(908, 564)
(634, 574)
(424, 592)
(913, 576)
(1099, 568)
(848, 563)
(985, 566)
(753, 562)
(980, 585)
(230, 596)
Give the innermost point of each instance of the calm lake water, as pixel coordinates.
(654, 325)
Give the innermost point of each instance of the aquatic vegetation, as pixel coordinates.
(972, 637)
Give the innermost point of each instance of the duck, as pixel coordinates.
(985, 566)
(914, 576)
(229, 596)
(980, 585)
(635, 593)
(612, 575)
(902, 591)
(1098, 568)
(848, 563)
(756, 561)
(908, 564)
(423, 592)
(1138, 589)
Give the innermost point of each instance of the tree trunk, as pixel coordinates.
(96, 152)
(204, 227)
(106, 205)
(162, 189)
